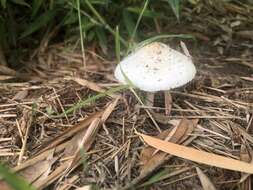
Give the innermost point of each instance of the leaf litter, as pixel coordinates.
(212, 114)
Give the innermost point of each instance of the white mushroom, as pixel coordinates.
(156, 67)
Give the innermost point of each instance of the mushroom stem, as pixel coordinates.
(147, 111)
(167, 102)
(150, 99)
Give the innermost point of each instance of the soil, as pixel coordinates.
(53, 151)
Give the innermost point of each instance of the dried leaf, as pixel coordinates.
(86, 187)
(245, 134)
(205, 181)
(148, 151)
(149, 155)
(25, 125)
(155, 166)
(183, 130)
(39, 171)
(247, 34)
(59, 171)
(67, 184)
(109, 110)
(90, 133)
(58, 145)
(70, 132)
(39, 157)
(247, 78)
(185, 49)
(197, 155)
(7, 71)
(20, 95)
(91, 85)
(4, 185)
(80, 141)
(245, 155)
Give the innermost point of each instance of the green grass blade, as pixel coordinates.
(129, 23)
(147, 13)
(94, 11)
(139, 19)
(16, 182)
(36, 6)
(164, 36)
(21, 2)
(70, 18)
(40, 22)
(91, 19)
(117, 44)
(175, 5)
(81, 31)
(103, 22)
(90, 36)
(102, 39)
(3, 3)
(83, 103)
(155, 178)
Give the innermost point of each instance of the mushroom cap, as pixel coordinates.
(155, 67)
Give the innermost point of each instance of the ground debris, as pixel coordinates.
(41, 141)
